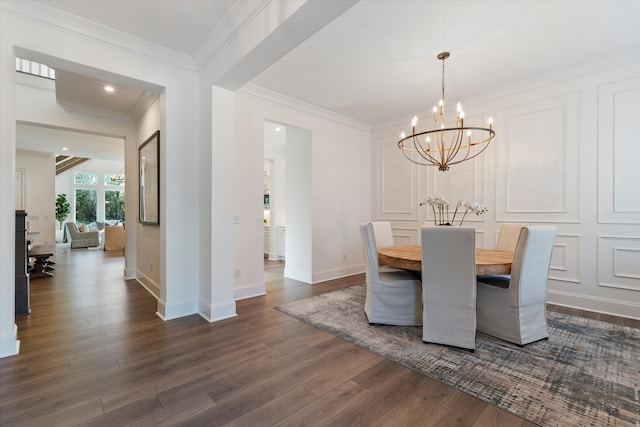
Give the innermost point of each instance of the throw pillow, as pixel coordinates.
(84, 228)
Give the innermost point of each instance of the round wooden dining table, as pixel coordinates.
(488, 261)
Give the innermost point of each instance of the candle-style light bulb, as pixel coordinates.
(414, 121)
(441, 103)
(435, 109)
(490, 121)
(459, 108)
(461, 114)
(402, 135)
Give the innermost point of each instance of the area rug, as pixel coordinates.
(586, 374)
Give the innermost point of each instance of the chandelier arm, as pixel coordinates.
(456, 143)
(486, 144)
(427, 157)
(419, 149)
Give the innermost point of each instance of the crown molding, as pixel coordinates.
(227, 31)
(93, 111)
(55, 19)
(296, 104)
(143, 104)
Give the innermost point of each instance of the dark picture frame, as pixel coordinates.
(149, 180)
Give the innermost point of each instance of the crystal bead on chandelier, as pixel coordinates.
(451, 145)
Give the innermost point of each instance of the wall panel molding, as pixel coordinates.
(619, 262)
(397, 191)
(538, 153)
(405, 236)
(565, 258)
(618, 153)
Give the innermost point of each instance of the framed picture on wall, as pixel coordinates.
(149, 179)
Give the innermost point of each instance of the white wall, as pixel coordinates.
(148, 236)
(340, 186)
(566, 153)
(39, 168)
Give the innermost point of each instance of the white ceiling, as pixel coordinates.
(377, 61)
(83, 94)
(32, 137)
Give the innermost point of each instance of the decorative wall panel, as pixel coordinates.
(538, 153)
(619, 153)
(405, 236)
(619, 262)
(565, 258)
(397, 178)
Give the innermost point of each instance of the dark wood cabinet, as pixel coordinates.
(22, 265)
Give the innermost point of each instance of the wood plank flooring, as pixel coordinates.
(94, 353)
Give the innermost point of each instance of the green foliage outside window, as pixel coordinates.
(86, 206)
(114, 205)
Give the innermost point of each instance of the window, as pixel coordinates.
(114, 205)
(98, 196)
(30, 67)
(85, 178)
(86, 205)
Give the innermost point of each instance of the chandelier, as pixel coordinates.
(118, 177)
(445, 146)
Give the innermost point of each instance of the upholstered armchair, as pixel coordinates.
(82, 239)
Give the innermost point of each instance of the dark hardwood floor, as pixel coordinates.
(93, 352)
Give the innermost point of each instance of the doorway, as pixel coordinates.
(287, 196)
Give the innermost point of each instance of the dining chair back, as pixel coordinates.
(382, 234)
(449, 286)
(383, 237)
(393, 297)
(513, 308)
(508, 237)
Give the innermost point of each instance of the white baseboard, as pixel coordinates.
(130, 273)
(177, 309)
(249, 291)
(148, 283)
(595, 304)
(213, 313)
(9, 343)
(336, 273)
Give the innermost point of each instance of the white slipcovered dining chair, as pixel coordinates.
(383, 236)
(507, 241)
(508, 236)
(393, 297)
(513, 308)
(449, 286)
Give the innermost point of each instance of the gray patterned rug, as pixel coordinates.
(586, 374)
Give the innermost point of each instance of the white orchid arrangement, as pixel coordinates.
(440, 208)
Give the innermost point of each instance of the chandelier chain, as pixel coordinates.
(443, 59)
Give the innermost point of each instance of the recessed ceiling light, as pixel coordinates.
(277, 129)
(65, 149)
(109, 88)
